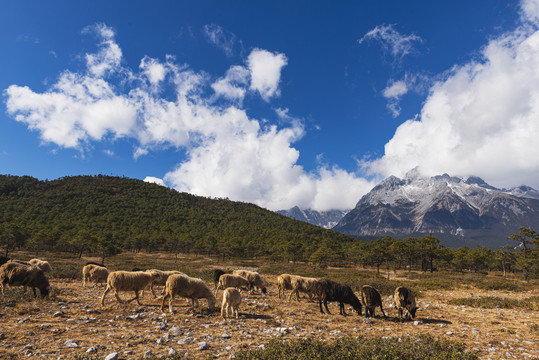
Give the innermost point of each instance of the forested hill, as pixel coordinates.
(86, 213)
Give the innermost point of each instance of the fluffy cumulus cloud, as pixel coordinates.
(228, 153)
(482, 118)
(265, 68)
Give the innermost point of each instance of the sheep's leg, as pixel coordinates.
(118, 297)
(382, 311)
(153, 292)
(137, 297)
(341, 309)
(170, 302)
(104, 294)
(163, 302)
(326, 306)
(223, 311)
(34, 291)
(236, 311)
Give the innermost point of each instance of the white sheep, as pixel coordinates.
(254, 278)
(163, 280)
(128, 281)
(231, 280)
(94, 272)
(231, 302)
(42, 264)
(303, 284)
(284, 282)
(187, 287)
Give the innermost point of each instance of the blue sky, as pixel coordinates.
(278, 103)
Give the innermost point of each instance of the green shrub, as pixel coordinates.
(490, 302)
(409, 348)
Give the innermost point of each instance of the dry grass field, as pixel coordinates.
(497, 324)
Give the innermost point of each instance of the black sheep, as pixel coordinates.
(329, 290)
(216, 275)
(370, 297)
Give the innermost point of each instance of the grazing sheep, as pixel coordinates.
(328, 290)
(254, 279)
(405, 299)
(163, 280)
(284, 282)
(230, 280)
(370, 297)
(95, 272)
(231, 302)
(187, 287)
(128, 281)
(42, 264)
(4, 260)
(303, 284)
(216, 275)
(16, 274)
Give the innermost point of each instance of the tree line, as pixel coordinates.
(104, 215)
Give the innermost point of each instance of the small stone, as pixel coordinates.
(71, 344)
(367, 320)
(225, 336)
(91, 350)
(417, 322)
(148, 354)
(171, 352)
(449, 333)
(475, 331)
(176, 331)
(112, 356)
(2, 336)
(58, 314)
(203, 345)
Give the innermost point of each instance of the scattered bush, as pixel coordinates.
(490, 302)
(409, 348)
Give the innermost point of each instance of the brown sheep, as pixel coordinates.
(231, 302)
(405, 299)
(371, 298)
(231, 280)
(97, 273)
(129, 281)
(42, 264)
(16, 274)
(188, 287)
(303, 284)
(254, 278)
(284, 282)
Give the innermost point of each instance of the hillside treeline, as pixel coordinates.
(104, 215)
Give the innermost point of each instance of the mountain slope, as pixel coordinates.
(465, 210)
(139, 215)
(325, 219)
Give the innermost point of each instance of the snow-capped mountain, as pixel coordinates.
(326, 219)
(465, 208)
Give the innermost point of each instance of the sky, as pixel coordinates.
(277, 103)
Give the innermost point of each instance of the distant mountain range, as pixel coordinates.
(459, 211)
(325, 219)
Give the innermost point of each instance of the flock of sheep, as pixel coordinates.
(32, 274)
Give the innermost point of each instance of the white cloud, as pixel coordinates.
(228, 153)
(222, 39)
(154, 180)
(265, 70)
(109, 56)
(482, 119)
(397, 44)
(233, 85)
(396, 89)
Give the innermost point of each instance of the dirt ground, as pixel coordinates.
(74, 323)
